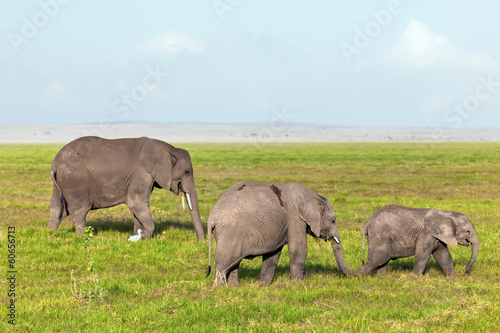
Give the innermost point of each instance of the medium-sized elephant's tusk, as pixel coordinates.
(183, 201)
(189, 201)
(336, 239)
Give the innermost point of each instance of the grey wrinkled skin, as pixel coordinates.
(258, 219)
(91, 173)
(395, 232)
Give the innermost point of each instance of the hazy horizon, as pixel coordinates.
(244, 133)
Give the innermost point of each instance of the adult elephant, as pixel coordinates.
(396, 231)
(92, 173)
(258, 219)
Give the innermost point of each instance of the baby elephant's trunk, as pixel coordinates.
(475, 250)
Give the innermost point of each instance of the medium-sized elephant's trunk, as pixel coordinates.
(339, 256)
(475, 250)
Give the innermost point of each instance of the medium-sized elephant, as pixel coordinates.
(258, 219)
(395, 232)
(91, 173)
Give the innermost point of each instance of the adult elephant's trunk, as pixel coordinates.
(475, 250)
(339, 256)
(192, 199)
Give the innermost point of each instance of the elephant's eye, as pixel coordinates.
(187, 172)
(468, 232)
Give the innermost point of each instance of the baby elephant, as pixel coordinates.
(258, 219)
(395, 232)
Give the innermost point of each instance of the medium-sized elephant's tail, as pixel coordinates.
(209, 235)
(61, 197)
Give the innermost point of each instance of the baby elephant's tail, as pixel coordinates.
(365, 233)
(209, 233)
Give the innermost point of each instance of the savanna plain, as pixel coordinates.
(71, 283)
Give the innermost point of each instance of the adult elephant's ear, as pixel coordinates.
(157, 161)
(440, 226)
(308, 207)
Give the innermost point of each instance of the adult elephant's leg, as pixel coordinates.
(143, 220)
(269, 263)
(138, 203)
(137, 225)
(443, 257)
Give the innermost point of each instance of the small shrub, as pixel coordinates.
(92, 292)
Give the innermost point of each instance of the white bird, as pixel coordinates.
(135, 238)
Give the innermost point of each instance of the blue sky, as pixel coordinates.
(363, 63)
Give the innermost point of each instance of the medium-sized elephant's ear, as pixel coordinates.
(308, 208)
(440, 226)
(158, 162)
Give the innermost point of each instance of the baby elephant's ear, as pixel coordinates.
(308, 208)
(440, 226)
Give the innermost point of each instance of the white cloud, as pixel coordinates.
(172, 42)
(56, 90)
(420, 48)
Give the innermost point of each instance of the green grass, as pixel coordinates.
(160, 284)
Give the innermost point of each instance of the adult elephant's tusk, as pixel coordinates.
(189, 201)
(336, 239)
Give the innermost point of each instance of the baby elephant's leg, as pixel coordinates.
(377, 257)
(443, 257)
(423, 251)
